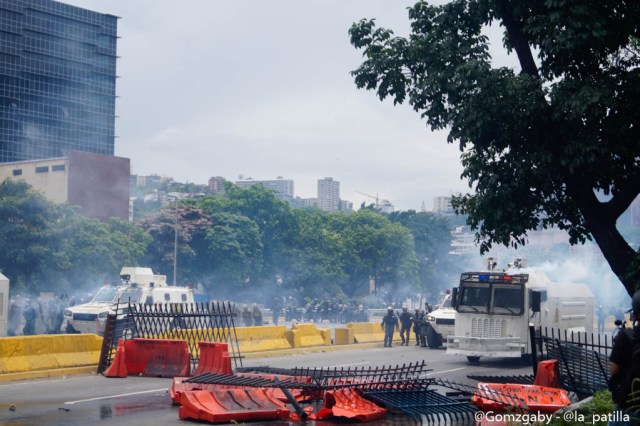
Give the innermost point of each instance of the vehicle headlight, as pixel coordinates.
(67, 313)
(430, 318)
(103, 315)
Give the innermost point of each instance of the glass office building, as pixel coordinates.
(57, 80)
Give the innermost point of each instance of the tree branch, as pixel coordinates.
(517, 38)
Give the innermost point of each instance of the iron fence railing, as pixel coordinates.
(583, 358)
(193, 322)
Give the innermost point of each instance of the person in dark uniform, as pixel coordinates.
(405, 326)
(257, 315)
(276, 309)
(247, 316)
(417, 318)
(389, 324)
(29, 314)
(625, 369)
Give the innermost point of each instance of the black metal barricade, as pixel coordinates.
(583, 358)
(193, 322)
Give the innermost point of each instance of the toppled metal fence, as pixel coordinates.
(193, 322)
(403, 389)
(583, 358)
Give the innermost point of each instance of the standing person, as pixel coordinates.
(602, 315)
(247, 316)
(15, 312)
(276, 309)
(417, 318)
(29, 314)
(405, 326)
(625, 370)
(257, 315)
(389, 324)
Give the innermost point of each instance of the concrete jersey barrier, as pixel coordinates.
(45, 352)
(305, 335)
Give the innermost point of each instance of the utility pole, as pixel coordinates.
(175, 245)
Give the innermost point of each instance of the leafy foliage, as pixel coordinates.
(539, 145)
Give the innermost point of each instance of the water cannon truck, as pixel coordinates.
(494, 309)
(137, 285)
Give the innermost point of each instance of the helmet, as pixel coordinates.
(404, 308)
(635, 302)
(389, 308)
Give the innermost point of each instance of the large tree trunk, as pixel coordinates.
(601, 222)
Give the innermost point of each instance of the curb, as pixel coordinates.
(92, 369)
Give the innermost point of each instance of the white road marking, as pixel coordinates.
(115, 396)
(347, 365)
(445, 371)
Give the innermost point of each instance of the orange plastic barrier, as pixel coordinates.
(548, 374)
(498, 397)
(214, 358)
(298, 394)
(157, 358)
(231, 405)
(349, 404)
(118, 367)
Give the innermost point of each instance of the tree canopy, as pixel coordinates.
(554, 143)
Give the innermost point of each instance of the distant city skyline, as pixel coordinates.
(231, 88)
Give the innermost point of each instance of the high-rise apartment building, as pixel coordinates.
(328, 194)
(57, 80)
(282, 187)
(442, 205)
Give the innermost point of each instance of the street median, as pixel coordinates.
(46, 352)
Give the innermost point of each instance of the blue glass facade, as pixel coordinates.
(57, 80)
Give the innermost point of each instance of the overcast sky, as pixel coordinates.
(262, 89)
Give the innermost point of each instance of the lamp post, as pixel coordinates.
(175, 245)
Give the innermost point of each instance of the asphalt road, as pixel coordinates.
(89, 399)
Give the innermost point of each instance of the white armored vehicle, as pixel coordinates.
(494, 310)
(440, 323)
(138, 285)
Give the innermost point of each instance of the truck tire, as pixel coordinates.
(473, 359)
(71, 330)
(434, 340)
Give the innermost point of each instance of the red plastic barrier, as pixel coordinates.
(498, 397)
(298, 394)
(231, 405)
(214, 358)
(548, 374)
(157, 358)
(349, 404)
(118, 367)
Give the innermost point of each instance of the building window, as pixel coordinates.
(17, 172)
(57, 168)
(42, 169)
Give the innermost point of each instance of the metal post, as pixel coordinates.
(175, 245)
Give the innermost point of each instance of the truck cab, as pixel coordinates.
(440, 323)
(494, 310)
(138, 285)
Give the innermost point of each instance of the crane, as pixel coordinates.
(371, 196)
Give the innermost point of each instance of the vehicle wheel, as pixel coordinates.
(71, 330)
(433, 339)
(473, 359)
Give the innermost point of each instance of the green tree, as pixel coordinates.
(26, 236)
(375, 248)
(315, 259)
(432, 238)
(182, 229)
(273, 217)
(539, 144)
(234, 252)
